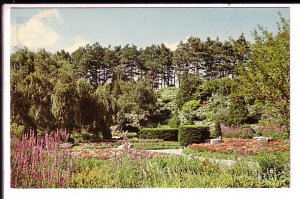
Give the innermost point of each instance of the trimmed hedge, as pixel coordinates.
(167, 134)
(190, 134)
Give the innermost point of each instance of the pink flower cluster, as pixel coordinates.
(236, 131)
(40, 162)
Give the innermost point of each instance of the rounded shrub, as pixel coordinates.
(167, 134)
(190, 134)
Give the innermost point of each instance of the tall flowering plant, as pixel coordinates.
(40, 162)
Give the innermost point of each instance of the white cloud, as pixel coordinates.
(173, 46)
(36, 32)
(77, 42)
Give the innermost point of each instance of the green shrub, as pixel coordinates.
(17, 130)
(190, 105)
(190, 134)
(167, 134)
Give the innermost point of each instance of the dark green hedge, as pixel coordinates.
(190, 134)
(167, 134)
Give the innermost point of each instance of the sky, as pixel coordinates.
(69, 28)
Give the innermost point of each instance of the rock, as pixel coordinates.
(66, 145)
(191, 156)
(116, 137)
(262, 139)
(124, 146)
(214, 140)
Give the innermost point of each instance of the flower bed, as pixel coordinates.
(243, 146)
(110, 153)
(98, 145)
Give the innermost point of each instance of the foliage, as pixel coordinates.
(105, 107)
(81, 137)
(174, 122)
(187, 88)
(190, 134)
(135, 104)
(167, 134)
(190, 106)
(189, 112)
(266, 76)
(223, 86)
(237, 111)
(166, 106)
(218, 107)
(64, 94)
(16, 130)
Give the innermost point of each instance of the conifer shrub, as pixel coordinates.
(218, 131)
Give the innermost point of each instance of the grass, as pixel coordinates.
(140, 144)
(207, 154)
(170, 172)
(156, 145)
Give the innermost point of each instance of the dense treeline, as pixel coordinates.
(97, 87)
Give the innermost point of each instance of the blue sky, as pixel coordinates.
(69, 28)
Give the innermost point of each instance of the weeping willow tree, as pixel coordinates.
(78, 104)
(105, 108)
(65, 98)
